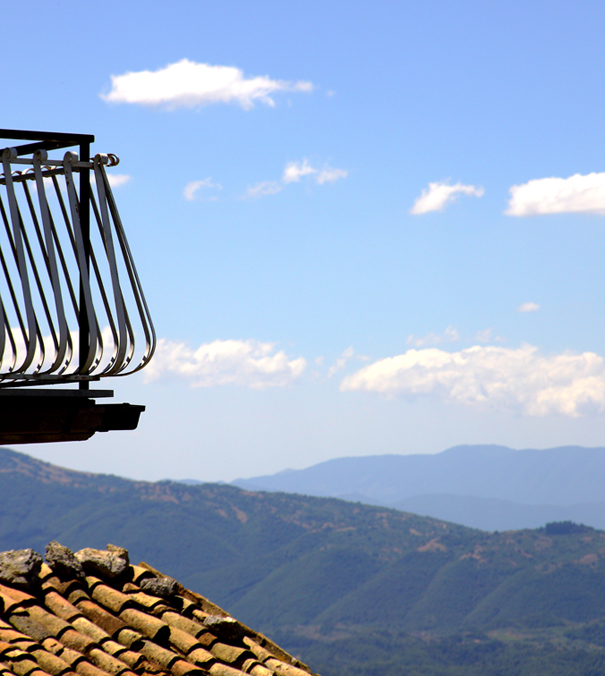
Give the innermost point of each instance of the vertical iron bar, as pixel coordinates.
(83, 323)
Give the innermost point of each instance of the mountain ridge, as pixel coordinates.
(526, 482)
(365, 579)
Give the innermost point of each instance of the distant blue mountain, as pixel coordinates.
(490, 487)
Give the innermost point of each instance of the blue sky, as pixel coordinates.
(362, 228)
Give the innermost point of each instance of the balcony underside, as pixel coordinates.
(34, 419)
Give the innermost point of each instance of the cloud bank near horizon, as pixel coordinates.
(521, 379)
(187, 84)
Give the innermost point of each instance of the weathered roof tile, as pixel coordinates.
(60, 607)
(148, 625)
(100, 618)
(111, 598)
(122, 620)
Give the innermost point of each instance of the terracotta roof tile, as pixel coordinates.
(201, 657)
(51, 663)
(108, 663)
(165, 658)
(98, 616)
(230, 654)
(72, 657)
(218, 669)
(25, 643)
(255, 668)
(29, 627)
(22, 598)
(60, 607)
(130, 638)
(83, 636)
(87, 669)
(124, 620)
(111, 599)
(183, 641)
(10, 635)
(148, 625)
(145, 601)
(183, 668)
(139, 573)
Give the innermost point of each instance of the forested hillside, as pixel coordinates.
(342, 584)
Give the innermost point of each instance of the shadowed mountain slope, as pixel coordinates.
(295, 567)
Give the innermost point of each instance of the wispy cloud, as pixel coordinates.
(341, 362)
(450, 335)
(528, 307)
(487, 336)
(576, 194)
(117, 180)
(438, 195)
(187, 84)
(247, 363)
(522, 379)
(293, 173)
(191, 189)
(329, 175)
(264, 188)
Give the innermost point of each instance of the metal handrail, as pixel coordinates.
(57, 279)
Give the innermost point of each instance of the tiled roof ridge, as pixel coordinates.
(92, 613)
(213, 609)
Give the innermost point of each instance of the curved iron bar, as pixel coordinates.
(45, 259)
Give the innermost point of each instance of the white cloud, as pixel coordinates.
(116, 180)
(437, 195)
(187, 84)
(248, 363)
(294, 171)
(450, 335)
(576, 194)
(264, 188)
(528, 307)
(565, 384)
(192, 188)
(328, 175)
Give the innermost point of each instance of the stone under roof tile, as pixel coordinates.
(123, 620)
